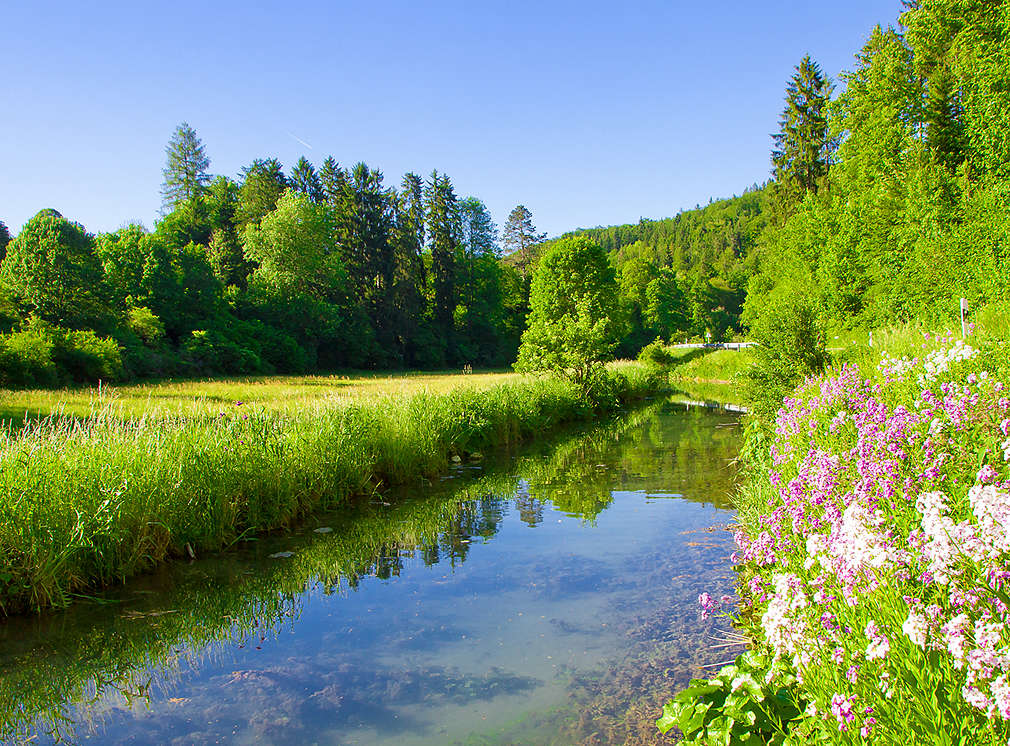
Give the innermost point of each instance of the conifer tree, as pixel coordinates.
(185, 169)
(803, 148)
(443, 233)
(408, 242)
(305, 180)
(331, 180)
(5, 238)
(520, 237)
(263, 185)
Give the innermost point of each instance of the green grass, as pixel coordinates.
(710, 365)
(208, 397)
(86, 502)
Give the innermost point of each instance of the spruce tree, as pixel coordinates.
(803, 148)
(263, 185)
(331, 180)
(185, 169)
(409, 281)
(5, 238)
(443, 232)
(305, 180)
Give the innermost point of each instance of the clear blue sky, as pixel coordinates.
(589, 113)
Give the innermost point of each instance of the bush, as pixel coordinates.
(211, 352)
(82, 356)
(790, 348)
(26, 358)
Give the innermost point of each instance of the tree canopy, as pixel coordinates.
(574, 322)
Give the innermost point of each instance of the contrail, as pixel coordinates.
(296, 137)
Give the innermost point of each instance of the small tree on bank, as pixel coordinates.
(574, 321)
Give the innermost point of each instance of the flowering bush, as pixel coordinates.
(876, 562)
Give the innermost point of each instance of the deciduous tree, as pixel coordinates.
(574, 322)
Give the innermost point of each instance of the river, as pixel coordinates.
(542, 597)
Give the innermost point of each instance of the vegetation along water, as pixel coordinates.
(544, 596)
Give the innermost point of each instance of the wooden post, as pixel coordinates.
(964, 323)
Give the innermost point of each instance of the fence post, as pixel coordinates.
(964, 310)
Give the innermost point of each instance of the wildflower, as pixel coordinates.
(915, 628)
(841, 708)
(867, 727)
(707, 603)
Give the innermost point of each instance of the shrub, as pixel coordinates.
(82, 356)
(26, 358)
(790, 347)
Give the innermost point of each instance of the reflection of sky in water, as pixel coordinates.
(535, 618)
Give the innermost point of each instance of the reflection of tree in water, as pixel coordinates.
(531, 510)
(89, 653)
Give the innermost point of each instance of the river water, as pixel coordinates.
(543, 597)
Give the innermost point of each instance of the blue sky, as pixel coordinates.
(589, 113)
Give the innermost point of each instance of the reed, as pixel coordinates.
(89, 501)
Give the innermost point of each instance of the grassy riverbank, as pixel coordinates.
(65, 669)
(89, 502)
(873, 557)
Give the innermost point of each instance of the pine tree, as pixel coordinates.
(520, 237)
(803, 148)
(185, 168)
(305, 180)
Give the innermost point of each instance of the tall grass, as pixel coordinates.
(67, 669)
(86, 503)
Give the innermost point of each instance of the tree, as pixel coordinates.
(296, 249)
(480, 311)
(185, 170)
(574, 320)
(408, 244)
(803, 149)
(5, 238)
(443, 233)
(55, 274)
(305, 180)
(520, 236)
(331, 180)
(263, 184)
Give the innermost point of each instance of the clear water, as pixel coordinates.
(545, 597)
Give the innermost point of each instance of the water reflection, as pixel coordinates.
(416, 619)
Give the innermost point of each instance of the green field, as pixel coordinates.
(210, 397)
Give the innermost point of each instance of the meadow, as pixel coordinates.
(89, 497)
(208, 397)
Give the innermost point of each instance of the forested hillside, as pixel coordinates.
(909, 209)
(685, 276)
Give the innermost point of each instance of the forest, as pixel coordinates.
(274, 272)
(887, 202)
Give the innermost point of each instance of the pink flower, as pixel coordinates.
(841, 708)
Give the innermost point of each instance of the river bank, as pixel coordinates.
(90, 502)
(872, 559)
